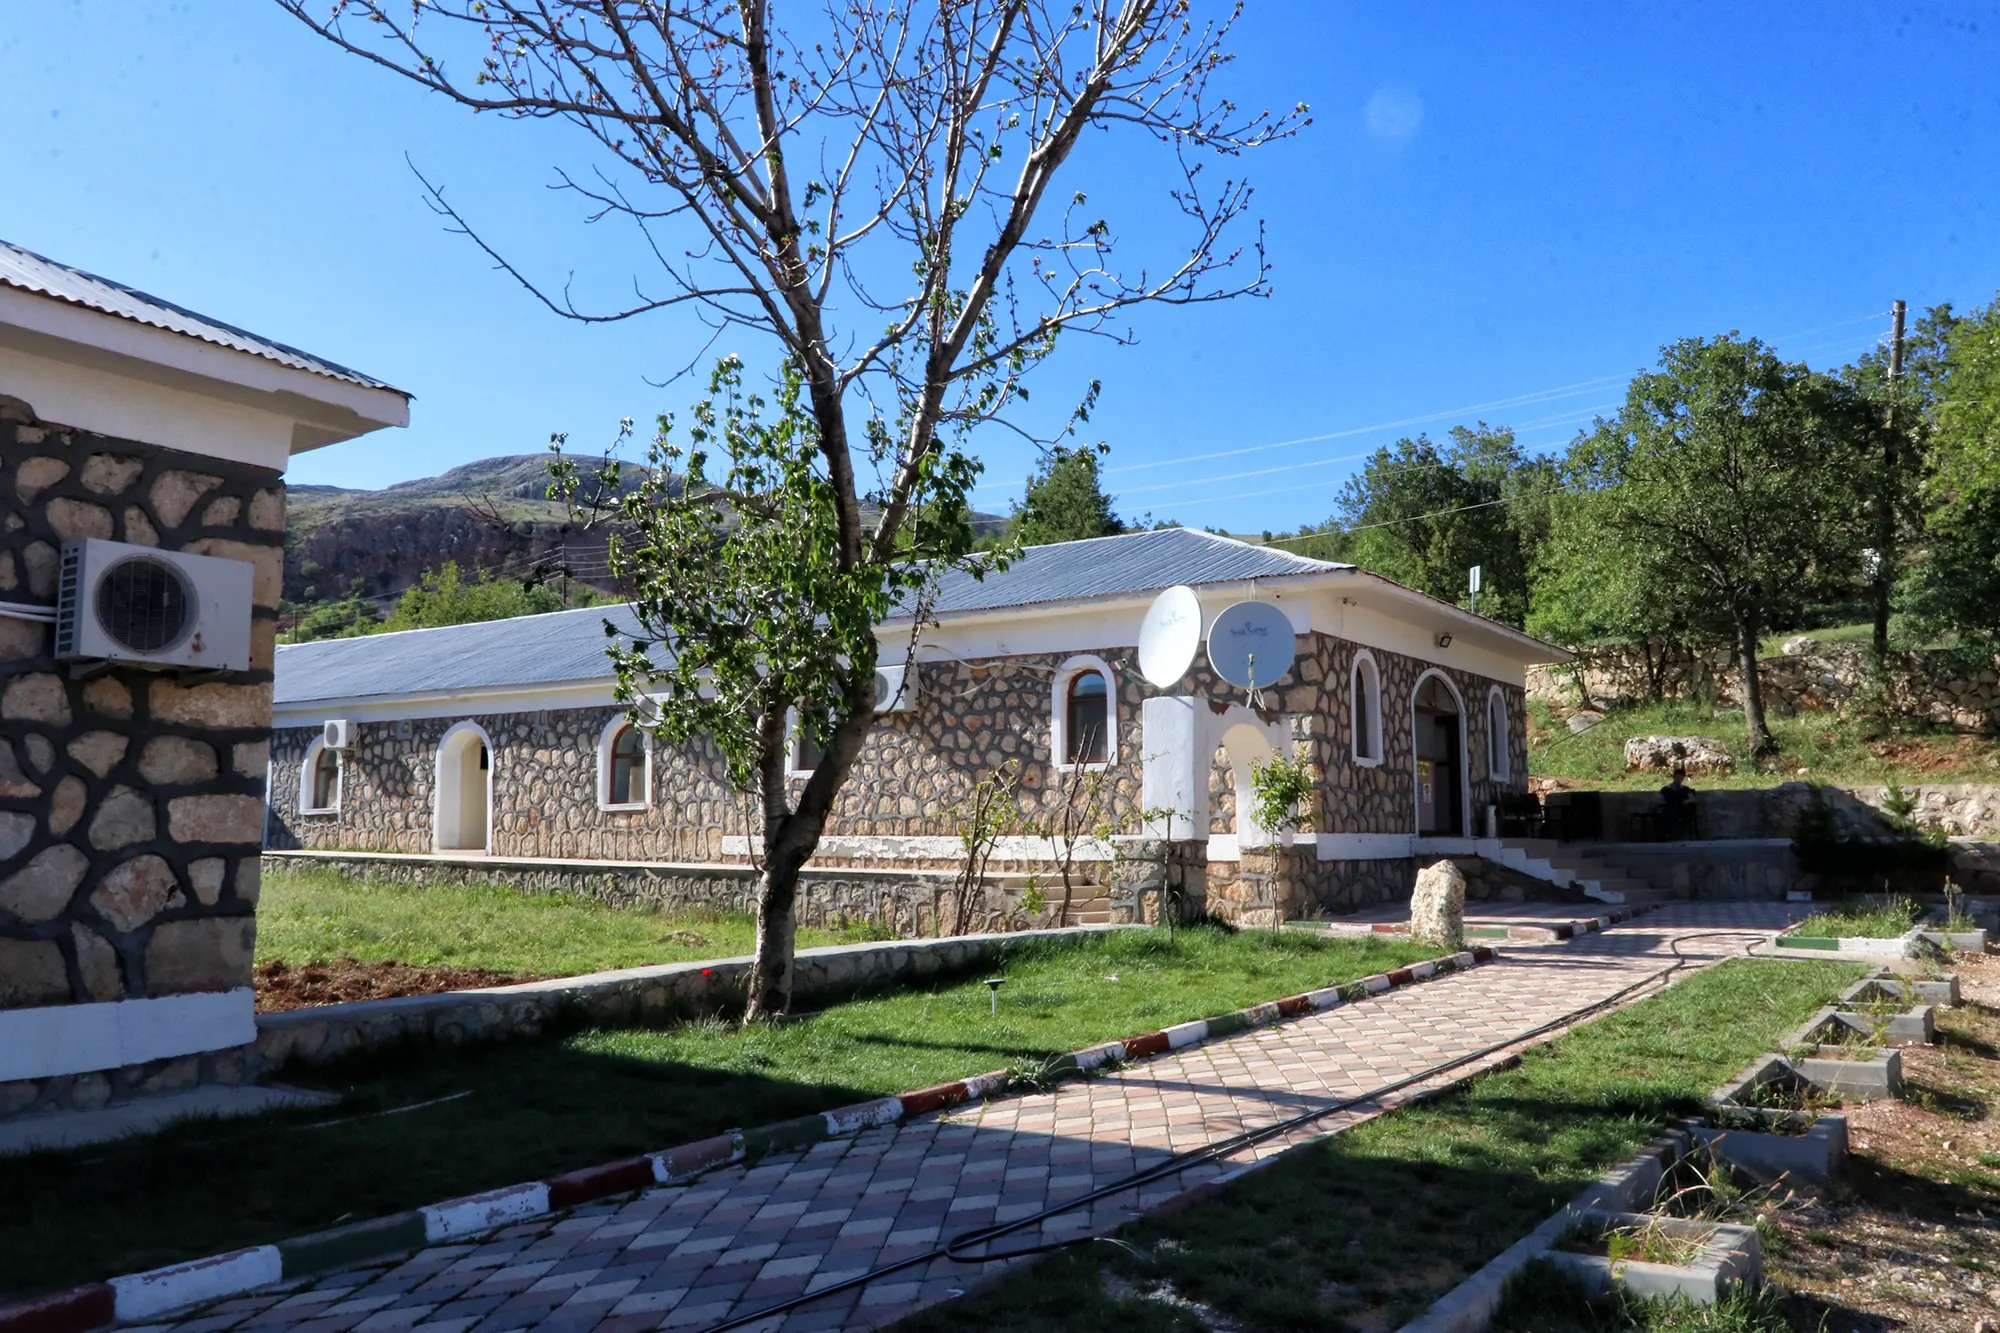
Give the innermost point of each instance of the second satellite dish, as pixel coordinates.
(1251, 645)
(1169, 636)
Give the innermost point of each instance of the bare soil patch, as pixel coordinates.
(281, 986)
(1911, 1239)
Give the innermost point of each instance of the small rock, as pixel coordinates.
(1697, 754)
(1583, 720)
(1798, 646)
(1437, 906)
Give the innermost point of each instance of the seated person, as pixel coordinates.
(1677, 817)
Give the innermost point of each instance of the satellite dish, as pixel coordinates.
(1169, 636)
(1251, 645)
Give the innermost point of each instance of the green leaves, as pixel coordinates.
(732, 546)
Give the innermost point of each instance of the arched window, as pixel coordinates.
(628, 767)
(1499, 759)
(806, 750)
(624, 766)
(1084, 731)
(1083, 713)
(1365, 693)
(319, 781)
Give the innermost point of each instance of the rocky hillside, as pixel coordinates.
(491, 515)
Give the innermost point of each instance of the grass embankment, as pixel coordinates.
(1827, 747)
(1875, 919)
(531, 1109)
(308, 915)
(1364, 1230)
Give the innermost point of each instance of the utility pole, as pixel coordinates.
(1885, 503)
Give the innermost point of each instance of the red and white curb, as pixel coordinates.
(144, 1297)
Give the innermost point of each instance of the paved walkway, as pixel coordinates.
(742, 1238)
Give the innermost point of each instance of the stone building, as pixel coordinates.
(132, 794)
(501, 739)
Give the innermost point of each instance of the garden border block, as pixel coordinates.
(144, 1296)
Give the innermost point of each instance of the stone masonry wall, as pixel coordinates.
(131, 801)
(969, 720)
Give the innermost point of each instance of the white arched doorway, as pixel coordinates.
(462, 821)
(1437, 738)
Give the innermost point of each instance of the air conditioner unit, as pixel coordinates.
(895, 689)
(338, 735)
(121, 603)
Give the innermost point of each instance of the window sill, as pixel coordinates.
(1099, 767)
(799, 773)
(627, 808)
(329, 810)
(1361, 762)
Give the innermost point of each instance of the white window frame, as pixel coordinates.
(306, 779)
(1499, 745)
(1373, 718)
(1076, 666)
(795, 739)
(604, 740)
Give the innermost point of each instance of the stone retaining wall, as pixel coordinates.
(906, 903)
(631, 997)
(1922, 685)
(1267, 887)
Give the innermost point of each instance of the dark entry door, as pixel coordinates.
(1438, 761)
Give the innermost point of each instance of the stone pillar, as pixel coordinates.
(1153, 875)
(131, 800)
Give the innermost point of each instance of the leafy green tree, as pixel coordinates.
(1733, 485)
(332, 620)
(1423, 515)
(446, 597)
(873, 202)
(1592, 590)
(1064, 501)
(1956, 589)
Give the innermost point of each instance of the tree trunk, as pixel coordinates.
(777, 933)
(1762, 743)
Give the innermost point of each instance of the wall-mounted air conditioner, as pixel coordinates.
(338, 734)
(895, 689)
(121, 603)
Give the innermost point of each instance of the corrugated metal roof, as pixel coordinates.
(528, 650)
(1127, 565)
(569, 645)
(30, 272)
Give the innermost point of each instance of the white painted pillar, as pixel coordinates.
(1174, 772)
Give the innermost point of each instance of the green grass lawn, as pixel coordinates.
(1364, 1230)
(531, 1109)
(309, 915)
(1829, 748)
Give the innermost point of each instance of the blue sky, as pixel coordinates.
(1505, 205)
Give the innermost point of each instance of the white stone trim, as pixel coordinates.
(1225, 847)
(84, 1038)
(309, 409)
(604, 740)
(1503, 771)
(1447, 846)
(1464, 765)
(306, 766)
(556, 697)
(455, 730)
(1363, 846)
(930, 847)
(1373, 718)
(1059, 712)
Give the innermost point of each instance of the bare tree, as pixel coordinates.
(873, 191)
